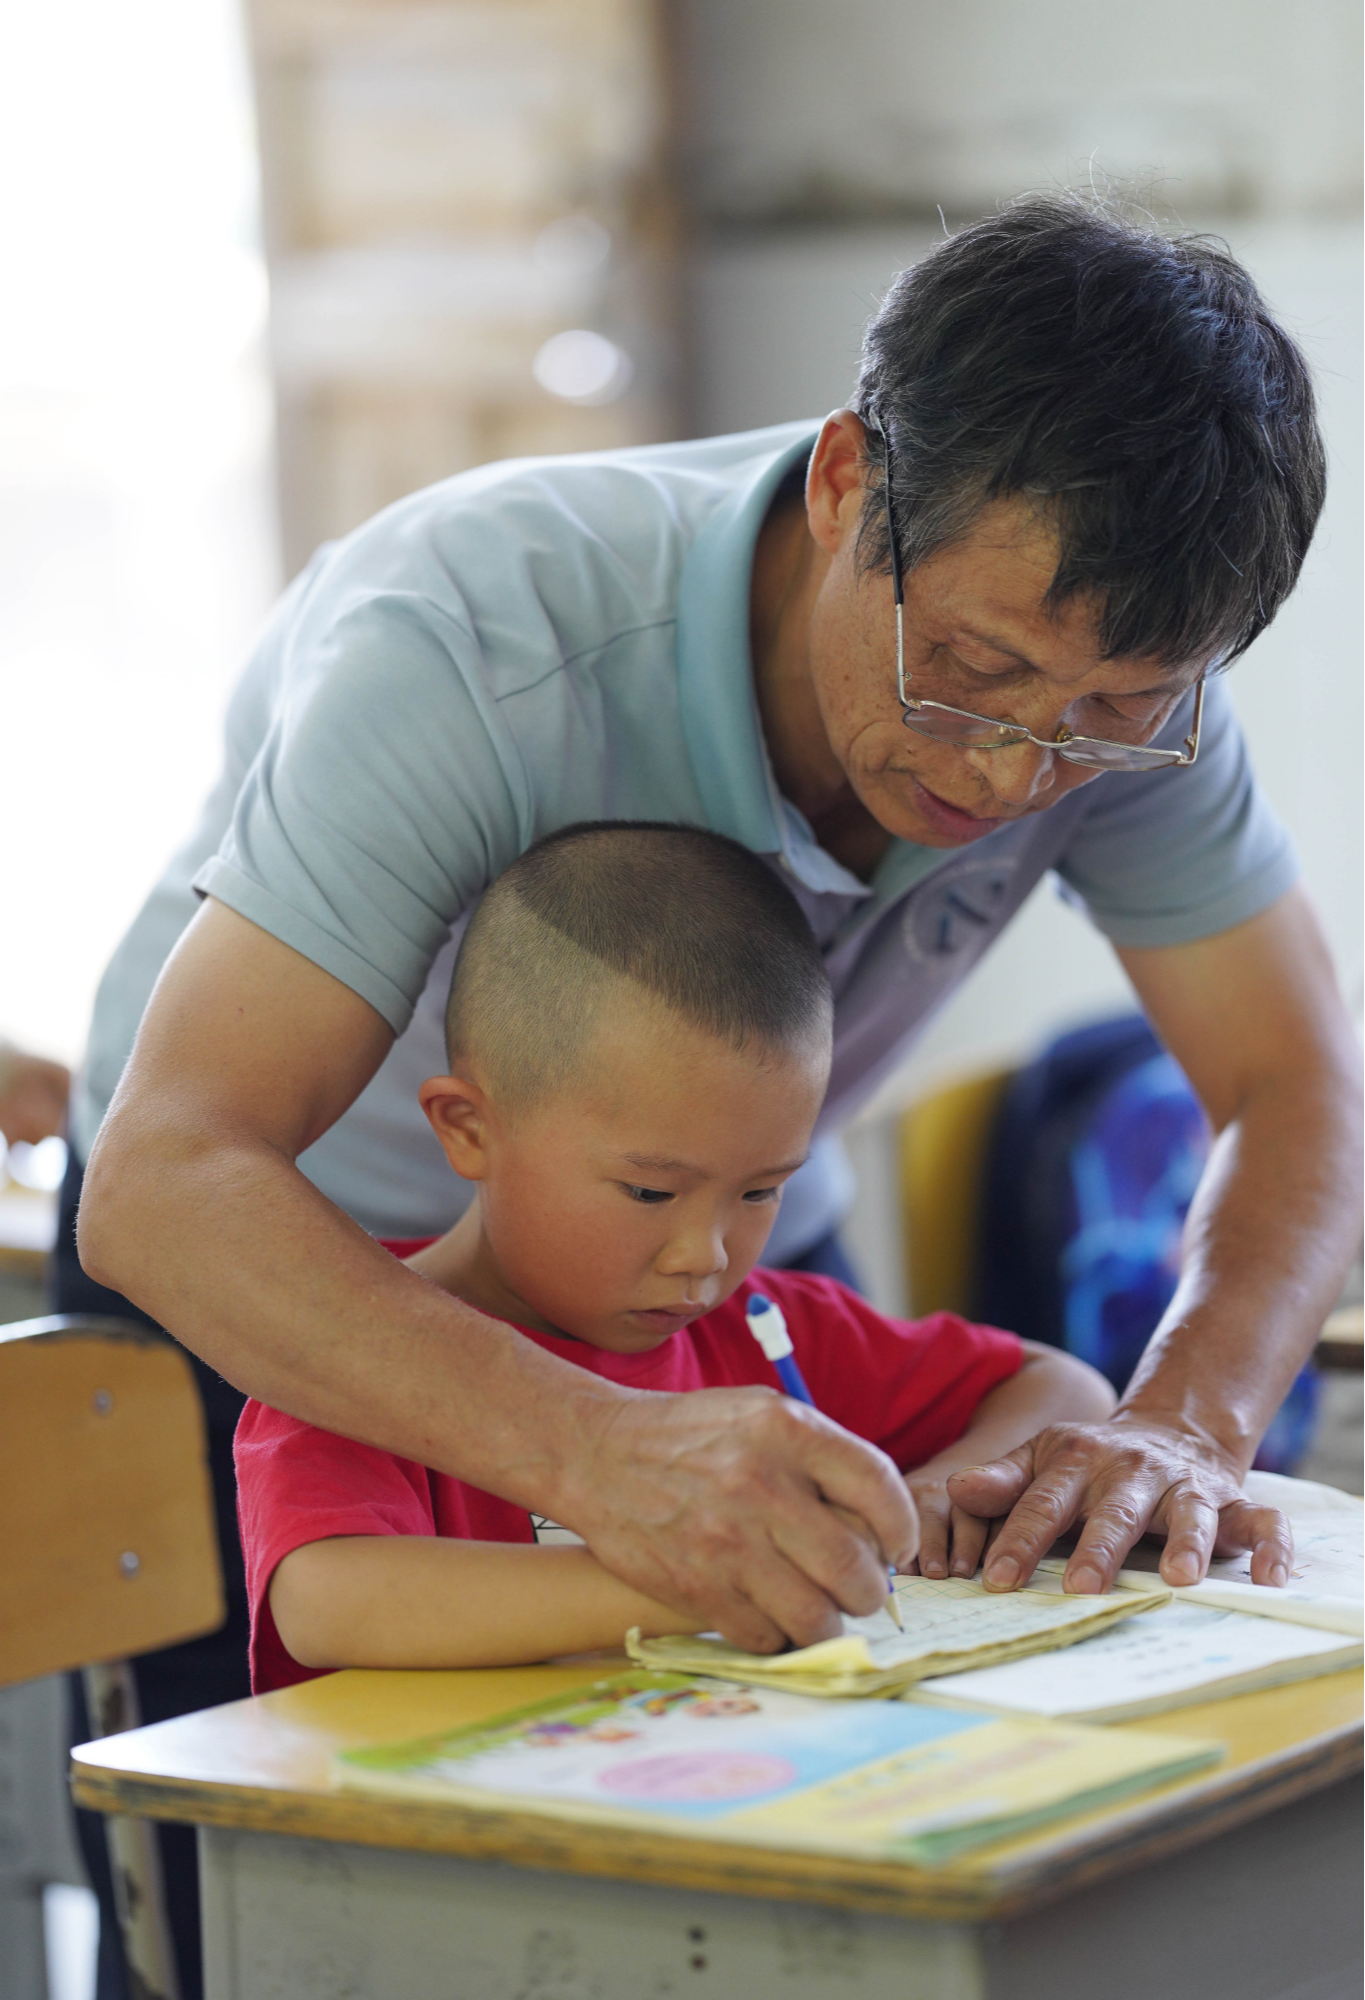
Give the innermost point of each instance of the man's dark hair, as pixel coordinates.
(688, 916)
(1134, 384)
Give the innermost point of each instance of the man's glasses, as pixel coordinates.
(984, 732)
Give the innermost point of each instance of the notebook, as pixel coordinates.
(950, 1624)
(1326, 1584)
(1179, 1654)
(709, 1758)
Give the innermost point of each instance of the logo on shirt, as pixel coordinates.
(958, 909)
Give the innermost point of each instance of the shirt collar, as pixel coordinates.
(716, 698)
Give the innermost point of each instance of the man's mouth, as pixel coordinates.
(952, 820)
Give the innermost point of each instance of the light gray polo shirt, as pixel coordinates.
(560, 639)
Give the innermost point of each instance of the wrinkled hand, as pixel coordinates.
(723, 1503)
(1123, 1479)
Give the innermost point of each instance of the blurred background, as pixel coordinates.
(269, 268)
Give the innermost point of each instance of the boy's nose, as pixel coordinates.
(696, 1252)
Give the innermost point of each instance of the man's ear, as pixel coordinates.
(458, 1110)
(834, 481)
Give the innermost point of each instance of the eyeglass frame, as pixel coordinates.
(1161, 760)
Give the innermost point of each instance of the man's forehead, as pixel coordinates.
(993, 586)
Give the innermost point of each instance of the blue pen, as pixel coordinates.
(769, 1329)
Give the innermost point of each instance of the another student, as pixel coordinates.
(639, 1038)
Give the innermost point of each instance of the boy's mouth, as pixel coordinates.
(663, 1320)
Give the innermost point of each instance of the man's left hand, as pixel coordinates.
(1123, 1479)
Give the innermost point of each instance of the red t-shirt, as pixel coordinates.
(910, 1386)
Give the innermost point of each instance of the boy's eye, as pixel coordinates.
(649, 1195)
(762, 1194)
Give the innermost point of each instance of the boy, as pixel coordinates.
(639, 1037)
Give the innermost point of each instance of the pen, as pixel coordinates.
(769, 1329)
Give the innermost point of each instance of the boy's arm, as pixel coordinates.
(428, 1601)
(1050, 1387)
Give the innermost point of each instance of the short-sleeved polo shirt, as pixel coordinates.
(551, 640)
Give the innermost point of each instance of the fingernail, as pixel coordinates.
(1279, 1575)
(1003, 1574)
(931, 1566)
(1182, 1569)
(1085, 1581)
(962, 1567)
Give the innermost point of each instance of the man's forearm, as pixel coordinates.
(1270, 1233)
(236, 1253)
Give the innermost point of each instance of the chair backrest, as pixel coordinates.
(943, 1142)
(107, 1538)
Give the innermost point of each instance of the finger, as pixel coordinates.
(1118, 1517)
(935, 1530)
(968, 1540)
(833, 1552)
(853, 1474)
(777, 1605)
(1047, 1510)
(990, 1490)
(1191, 1525)
(1263, 1530)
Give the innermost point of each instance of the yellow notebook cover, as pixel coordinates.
(952, 1625)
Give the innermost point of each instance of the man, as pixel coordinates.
(1101, 459)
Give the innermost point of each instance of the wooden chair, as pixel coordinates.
(943, 1140)
(108, 1547)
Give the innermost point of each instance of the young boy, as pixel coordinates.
(639, 1040)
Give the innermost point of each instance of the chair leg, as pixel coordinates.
(134, 1858)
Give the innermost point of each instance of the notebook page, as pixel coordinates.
(948, 1621)
(1155, 1661)
(1326, 1585)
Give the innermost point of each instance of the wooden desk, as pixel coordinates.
(1241, 1883)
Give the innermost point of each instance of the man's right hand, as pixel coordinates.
(723, 1503)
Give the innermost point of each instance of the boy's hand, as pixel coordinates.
(951, 1541)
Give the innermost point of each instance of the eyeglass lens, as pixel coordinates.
(947, 727)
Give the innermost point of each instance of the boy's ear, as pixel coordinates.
(458, 1111)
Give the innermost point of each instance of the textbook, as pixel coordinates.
(1180, 1654)
(879, 1779)
(951, 1623)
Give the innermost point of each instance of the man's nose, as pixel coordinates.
(1019, 774)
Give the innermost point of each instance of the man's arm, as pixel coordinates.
(194, 1208)
(1254, 1017)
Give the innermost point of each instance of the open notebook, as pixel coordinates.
(1222, 1637)
(1326, 1585)
(879, 1779)
(950, 1624)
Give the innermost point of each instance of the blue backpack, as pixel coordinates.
(1093, 1160)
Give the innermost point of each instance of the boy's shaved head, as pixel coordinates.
(687, 916)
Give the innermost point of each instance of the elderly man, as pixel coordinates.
(963, 632)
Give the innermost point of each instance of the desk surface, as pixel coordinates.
(265, 1765)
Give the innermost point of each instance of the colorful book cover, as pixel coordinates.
(876, 1778)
